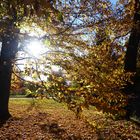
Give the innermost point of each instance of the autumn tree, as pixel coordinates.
(85, 49)
(82, 37)
(14, 14)
(90, 62)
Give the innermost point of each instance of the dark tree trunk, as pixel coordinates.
(8, 53)
(133, 44)
(131, 53)
(133, 107)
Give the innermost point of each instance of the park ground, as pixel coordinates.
(49, 120)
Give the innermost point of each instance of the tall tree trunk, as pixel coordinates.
(131, 64)
(131, 53)
(8, 53)
(133, 44)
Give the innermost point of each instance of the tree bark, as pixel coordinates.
(131, 53)
(133, 44)
(8, 53)
(133, 107)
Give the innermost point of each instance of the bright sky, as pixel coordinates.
(36, 48)
(114, 1)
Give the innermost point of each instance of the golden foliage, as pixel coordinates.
(87, 43)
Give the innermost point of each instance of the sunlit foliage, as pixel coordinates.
(86, 40)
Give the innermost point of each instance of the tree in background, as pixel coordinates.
(17, 85)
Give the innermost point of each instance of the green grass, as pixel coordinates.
(40, 104)
(43, 103)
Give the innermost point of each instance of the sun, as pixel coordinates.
(35, 48)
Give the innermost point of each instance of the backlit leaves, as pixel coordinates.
(87, 43)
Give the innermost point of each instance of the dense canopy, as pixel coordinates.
(84, 44)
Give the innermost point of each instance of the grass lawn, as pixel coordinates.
(49, 120)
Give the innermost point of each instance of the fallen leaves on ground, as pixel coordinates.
(57, 123)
